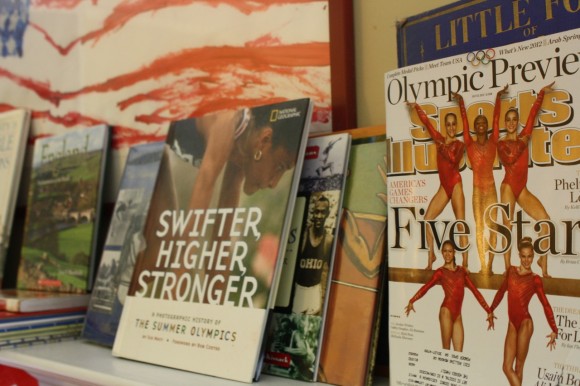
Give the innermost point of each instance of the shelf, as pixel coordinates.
(79, 362)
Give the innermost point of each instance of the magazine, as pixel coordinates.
(217, 227)
(483, 232)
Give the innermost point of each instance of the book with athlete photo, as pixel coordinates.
(484, 201)
(123, 243)
(295, 336)
(219, 218)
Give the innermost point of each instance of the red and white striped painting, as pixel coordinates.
(139, 64)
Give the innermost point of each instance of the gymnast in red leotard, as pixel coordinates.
(481, 153)
(521, 284)
(449, 155)
(453, 279)
(514, 155)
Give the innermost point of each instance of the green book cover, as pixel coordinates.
(63, 210)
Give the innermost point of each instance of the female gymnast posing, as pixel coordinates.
(514, 155)
(449, 155)
(453, 279)
(481, 153)
(521, 284)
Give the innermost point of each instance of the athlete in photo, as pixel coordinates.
(453, 279)
(481, 153)
(521, 284)
(313, 260)
(449, 155)
(514, 155)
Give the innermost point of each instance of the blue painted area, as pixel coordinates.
(13, 23)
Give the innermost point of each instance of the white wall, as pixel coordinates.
(376, 50)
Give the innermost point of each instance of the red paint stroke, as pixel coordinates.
(130, 9)
(207, 59)
(57, 4)
(42, 89)
(122, 136)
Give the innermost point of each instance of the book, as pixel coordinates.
(507, 213)
(59, 247)
(356, 288)
(124, 241)
(31, 301)
(218, 222)
(473, 26)
(14, 128)
(295, 335)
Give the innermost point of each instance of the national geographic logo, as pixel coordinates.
(278, 115)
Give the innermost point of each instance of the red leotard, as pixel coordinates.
(514, 154)
(448, 155)
(480, 156)
(520, 289)
(453, 283)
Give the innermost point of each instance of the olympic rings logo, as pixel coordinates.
(481, 56)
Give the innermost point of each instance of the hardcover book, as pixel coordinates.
(123, 243)
(473, 26)
(59, 247)
(483, 193)
(215, 234)
(352, 320)
(295, 335)
(14, 128)
(32, 301)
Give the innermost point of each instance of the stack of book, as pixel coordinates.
(35, 317)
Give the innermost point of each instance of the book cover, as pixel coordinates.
(215, 235)
(123, 243)
(483, 200)
(30, 301)
(473, 26)
(295, 335)
(59, 248)
(355, 291)
(14, 128)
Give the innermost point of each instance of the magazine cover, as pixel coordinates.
(356, 288)
(123, 243)
(473, 25)
(215, 235)
(295, 335)
(14, 128)
(62, 219)
(483, 233)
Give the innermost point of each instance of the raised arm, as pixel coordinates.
(437, 137)
(496, 113)
(527, 131)
(466, 136)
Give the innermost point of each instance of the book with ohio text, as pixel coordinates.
(295, 334)
(205, 283)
